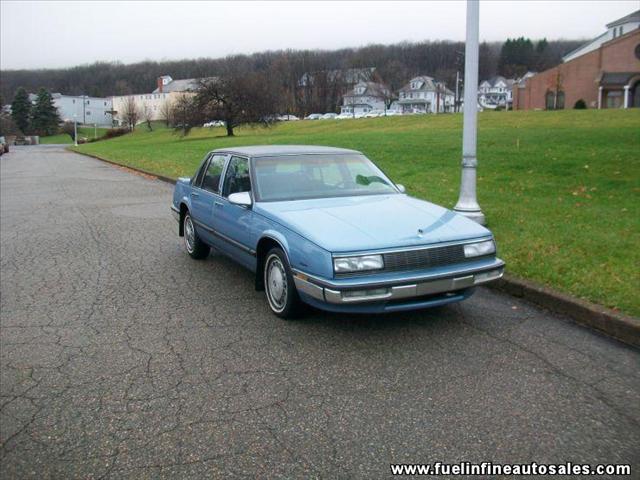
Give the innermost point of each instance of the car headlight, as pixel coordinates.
(479, 249)
(358, 264)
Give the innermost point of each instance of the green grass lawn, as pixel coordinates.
(63, 138)
(560, 190)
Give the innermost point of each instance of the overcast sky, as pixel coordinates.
(58, 34)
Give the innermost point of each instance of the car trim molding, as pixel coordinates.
(410, 249)
(233, 242)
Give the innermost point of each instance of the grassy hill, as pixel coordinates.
(560, 190)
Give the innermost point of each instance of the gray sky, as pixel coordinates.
(57, 34)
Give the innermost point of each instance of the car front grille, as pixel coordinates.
(416, 259)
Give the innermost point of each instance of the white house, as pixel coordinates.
(365, 97)
(614, 30)
(496, 92)
(81, 108)
(425, 95)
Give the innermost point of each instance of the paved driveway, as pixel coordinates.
(122, 357)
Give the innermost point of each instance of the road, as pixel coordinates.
(121, 357)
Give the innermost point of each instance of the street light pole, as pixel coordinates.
(75, 130)
(467, 203)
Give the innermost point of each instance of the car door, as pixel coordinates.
(204, 192)
(234, 223)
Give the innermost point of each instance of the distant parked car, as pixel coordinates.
(329, 116)
(391, 113)
(359, 115)
(344, 116)
(214, 123)
(326, 227)
(4, 146)
(313, 116)
(373, 114)
(287, 118)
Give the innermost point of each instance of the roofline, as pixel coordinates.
(583, 45)
(625, 19)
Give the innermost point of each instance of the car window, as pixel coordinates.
(236, 179)
(211, 181)
(198, 178)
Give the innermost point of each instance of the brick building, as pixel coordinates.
(604, 74)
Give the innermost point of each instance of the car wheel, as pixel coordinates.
(279, 287)
(195, 247)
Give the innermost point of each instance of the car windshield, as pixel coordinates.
(298, 177)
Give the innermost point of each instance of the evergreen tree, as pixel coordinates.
(516, 57)
(20, 110)
(45, 118)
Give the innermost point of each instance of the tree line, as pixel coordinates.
(31, 118)
(395, 64)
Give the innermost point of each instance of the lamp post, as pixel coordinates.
(75, 129)
(467, 202)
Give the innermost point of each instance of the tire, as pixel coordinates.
(279, 287)
(195, 247)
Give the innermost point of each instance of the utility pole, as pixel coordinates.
(75, 130)
(467, 203)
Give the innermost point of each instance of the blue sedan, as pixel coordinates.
(326, 227)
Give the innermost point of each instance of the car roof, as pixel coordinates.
(276, 150)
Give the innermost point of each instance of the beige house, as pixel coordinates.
(167, 91)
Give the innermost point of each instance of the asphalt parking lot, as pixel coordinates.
(121, 357)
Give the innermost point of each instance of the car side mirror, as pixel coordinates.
(401, 188)
(242, 199)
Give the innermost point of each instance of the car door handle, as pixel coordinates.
(195, 194)
(218, 204)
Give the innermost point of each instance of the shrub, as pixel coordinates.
(114, 132)
(580, 105)
(68, 128)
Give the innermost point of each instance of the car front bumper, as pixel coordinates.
(408, 292)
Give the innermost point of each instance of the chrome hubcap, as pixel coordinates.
(189, 234)
(276, 283)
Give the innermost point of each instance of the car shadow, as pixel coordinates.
(436, 318)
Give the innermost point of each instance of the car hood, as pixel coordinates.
(349, 224)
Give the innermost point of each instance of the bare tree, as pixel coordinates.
(186, 113)
(147, 115)
(166, 112)
(237, 97)
(382, 92)
(130, 113)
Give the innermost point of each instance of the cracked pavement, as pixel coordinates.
(123, 358)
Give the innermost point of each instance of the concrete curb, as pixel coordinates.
(607, 321)
(611, 323)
